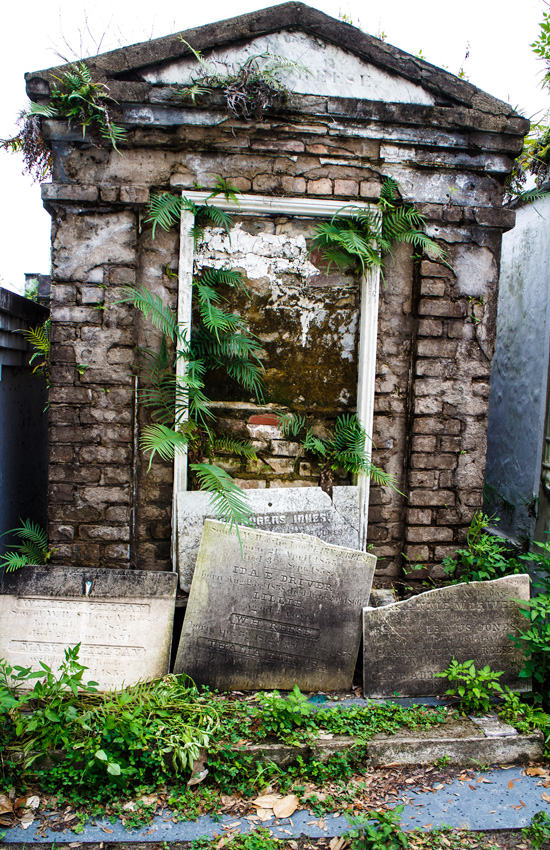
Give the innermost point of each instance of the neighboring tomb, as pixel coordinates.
(406, 643)
(273, 611)
(285, 511)
(122, 619)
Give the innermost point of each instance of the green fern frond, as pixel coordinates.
(161, 440)
(205, 292)
(223, 277)
(114, 133)
(199, 408)
(45, 110)
(12, 561)
(164, 210)
(217, 320)
(349, 434)
(237, 354)
(39, 338)
(33, 553)
(384, 479)
(33, 548)
(210, 214)
(291, 424)
(390, 190)
(237, 345)
(33, 533)
(227, 499)
(529, 196)
(363, 237)
(315, 445)
(152, 308)
(194, 91)
(235, 447)
(227, 189)
(248, 376)
(208, 67)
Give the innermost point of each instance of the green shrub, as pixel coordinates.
(378, 831)
(475, 688)
(535, 643)
(485, 558)
(281, 716)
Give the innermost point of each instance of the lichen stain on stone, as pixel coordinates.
(309, 332)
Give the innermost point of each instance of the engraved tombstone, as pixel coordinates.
(406, 643)
(307, 510)
(284, 611)
(122, 619)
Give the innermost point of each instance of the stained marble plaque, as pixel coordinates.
(122, 619)
(406, 643)
(283, 610)
(292, 510)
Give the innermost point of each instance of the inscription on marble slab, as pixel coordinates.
(293, 510)
(406, 643)
(122, 619)
(284, 611)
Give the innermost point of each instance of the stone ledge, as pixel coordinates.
(461, 742)
(131, 195)
(68, 192)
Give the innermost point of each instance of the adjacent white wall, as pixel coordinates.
(520, 371)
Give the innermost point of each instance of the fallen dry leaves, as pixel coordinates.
(286, 807)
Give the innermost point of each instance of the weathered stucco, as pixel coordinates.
(436, 325)
(324, 69)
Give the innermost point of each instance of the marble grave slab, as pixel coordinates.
(292, 510)
(284, 611)
(122, 618)
(406, 643)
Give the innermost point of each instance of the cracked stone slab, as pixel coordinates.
(273, 611)
(492, 727)
(407, 643)
(288, 510)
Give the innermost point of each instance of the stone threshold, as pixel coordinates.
(466, 742)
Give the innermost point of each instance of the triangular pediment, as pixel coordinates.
(342, 60)
(314, 67)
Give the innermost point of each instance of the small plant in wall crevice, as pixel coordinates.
(79, 99)
(250, 89)
(345, 448)
(365, 236)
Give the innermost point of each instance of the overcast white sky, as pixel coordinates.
(498, 32)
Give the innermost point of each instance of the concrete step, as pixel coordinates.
(464, 741)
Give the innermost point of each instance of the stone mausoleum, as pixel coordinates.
(412, 354)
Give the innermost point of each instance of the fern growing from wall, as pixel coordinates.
(182, 418)
(345, 448)
(79, 99)
(365, 236)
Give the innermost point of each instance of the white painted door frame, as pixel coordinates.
(368, 326)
